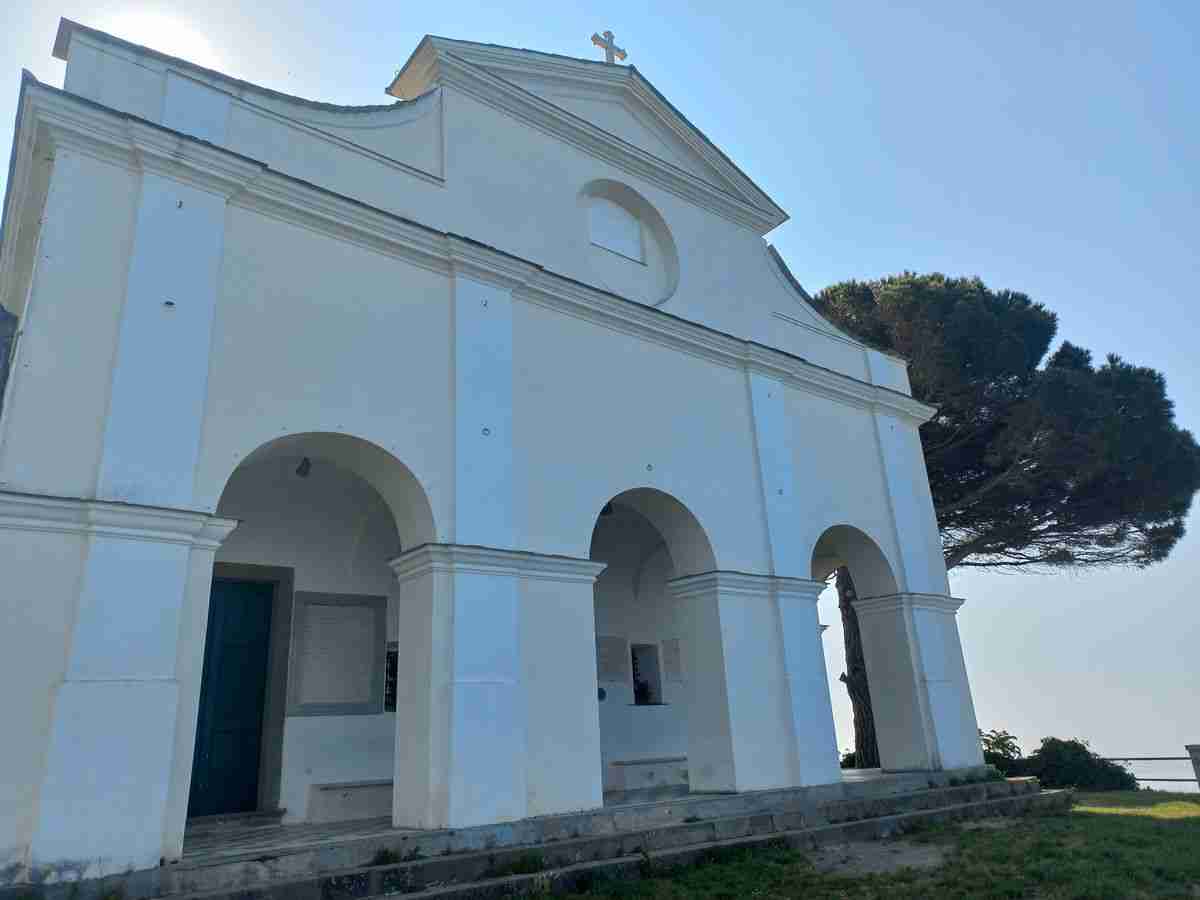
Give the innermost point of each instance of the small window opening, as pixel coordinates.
(615, 228)
(647, 683)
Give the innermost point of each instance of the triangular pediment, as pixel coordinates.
(614, 101)
(621, 113)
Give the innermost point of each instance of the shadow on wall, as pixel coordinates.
(8, 336)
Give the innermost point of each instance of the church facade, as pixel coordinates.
(460, 459)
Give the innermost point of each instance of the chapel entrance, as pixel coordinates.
(295, 714)
(232, 694)
(646, 539)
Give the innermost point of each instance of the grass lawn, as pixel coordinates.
(1118, 844)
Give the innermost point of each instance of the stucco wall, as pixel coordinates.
(53, 424)
(41, 583)
(505, 184)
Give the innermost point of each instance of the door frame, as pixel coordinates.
(270, 758)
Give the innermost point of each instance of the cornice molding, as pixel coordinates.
(102, 518)
(890, 603)
(802, 588)
(744, 584)
(125, 140)
(460, 559)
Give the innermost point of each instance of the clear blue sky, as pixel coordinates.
(1052, 148)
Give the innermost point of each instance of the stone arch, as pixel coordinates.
(845, 545)
(400, 489)
(687, 541)
(647, 539)
(321, 516)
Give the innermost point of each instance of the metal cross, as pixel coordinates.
(611, 51)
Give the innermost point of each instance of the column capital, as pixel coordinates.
(466, 559)
(940, 603)
(125, 521)
(805, 588)
(745, 583)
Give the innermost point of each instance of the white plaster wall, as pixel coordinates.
(830, 441)
(558, 652)
(41, 575)
(70, 325)
(314, 334)
(335, 531)
(601, 412)
(912, 505)
(945, 677)
(152, 432)
(505, 184)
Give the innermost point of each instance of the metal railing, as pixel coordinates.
(1193, 758)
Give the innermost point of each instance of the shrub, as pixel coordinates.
(1000, 749)
(1058, 763)
(848, 759)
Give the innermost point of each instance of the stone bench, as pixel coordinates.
(346, 800)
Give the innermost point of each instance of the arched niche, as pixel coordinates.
(630, 247)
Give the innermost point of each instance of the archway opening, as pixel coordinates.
(295, 709)
(646, 538)
(853, 566)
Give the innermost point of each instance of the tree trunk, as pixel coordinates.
(866, 748)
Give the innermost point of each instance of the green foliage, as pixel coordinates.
(1109, 845)
(525, 864)
(1000, 749)
(384, 856)
(1032, 461)
(849, 759)
(1061, 763)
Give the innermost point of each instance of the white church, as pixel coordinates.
(460, 459)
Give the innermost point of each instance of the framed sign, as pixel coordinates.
(338, 655)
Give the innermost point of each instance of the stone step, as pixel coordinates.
(558, 867)
(259, 860)
(584, 875)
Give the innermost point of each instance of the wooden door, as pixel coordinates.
(232, 694)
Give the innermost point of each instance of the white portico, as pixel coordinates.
(460, 459)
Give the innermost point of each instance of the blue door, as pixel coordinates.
(232, 693)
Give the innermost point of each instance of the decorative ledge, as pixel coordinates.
(464, 559)
(67, 515)
(744, 584)
(894, 602)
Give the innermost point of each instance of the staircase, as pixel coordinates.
(564, 853)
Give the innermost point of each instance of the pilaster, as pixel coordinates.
(160, 372)
(740, 731)
(483, 400)
(808, 683)
(917, 536)
(111, 745)
(469, 627)
(924, 717)
(807, 686)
